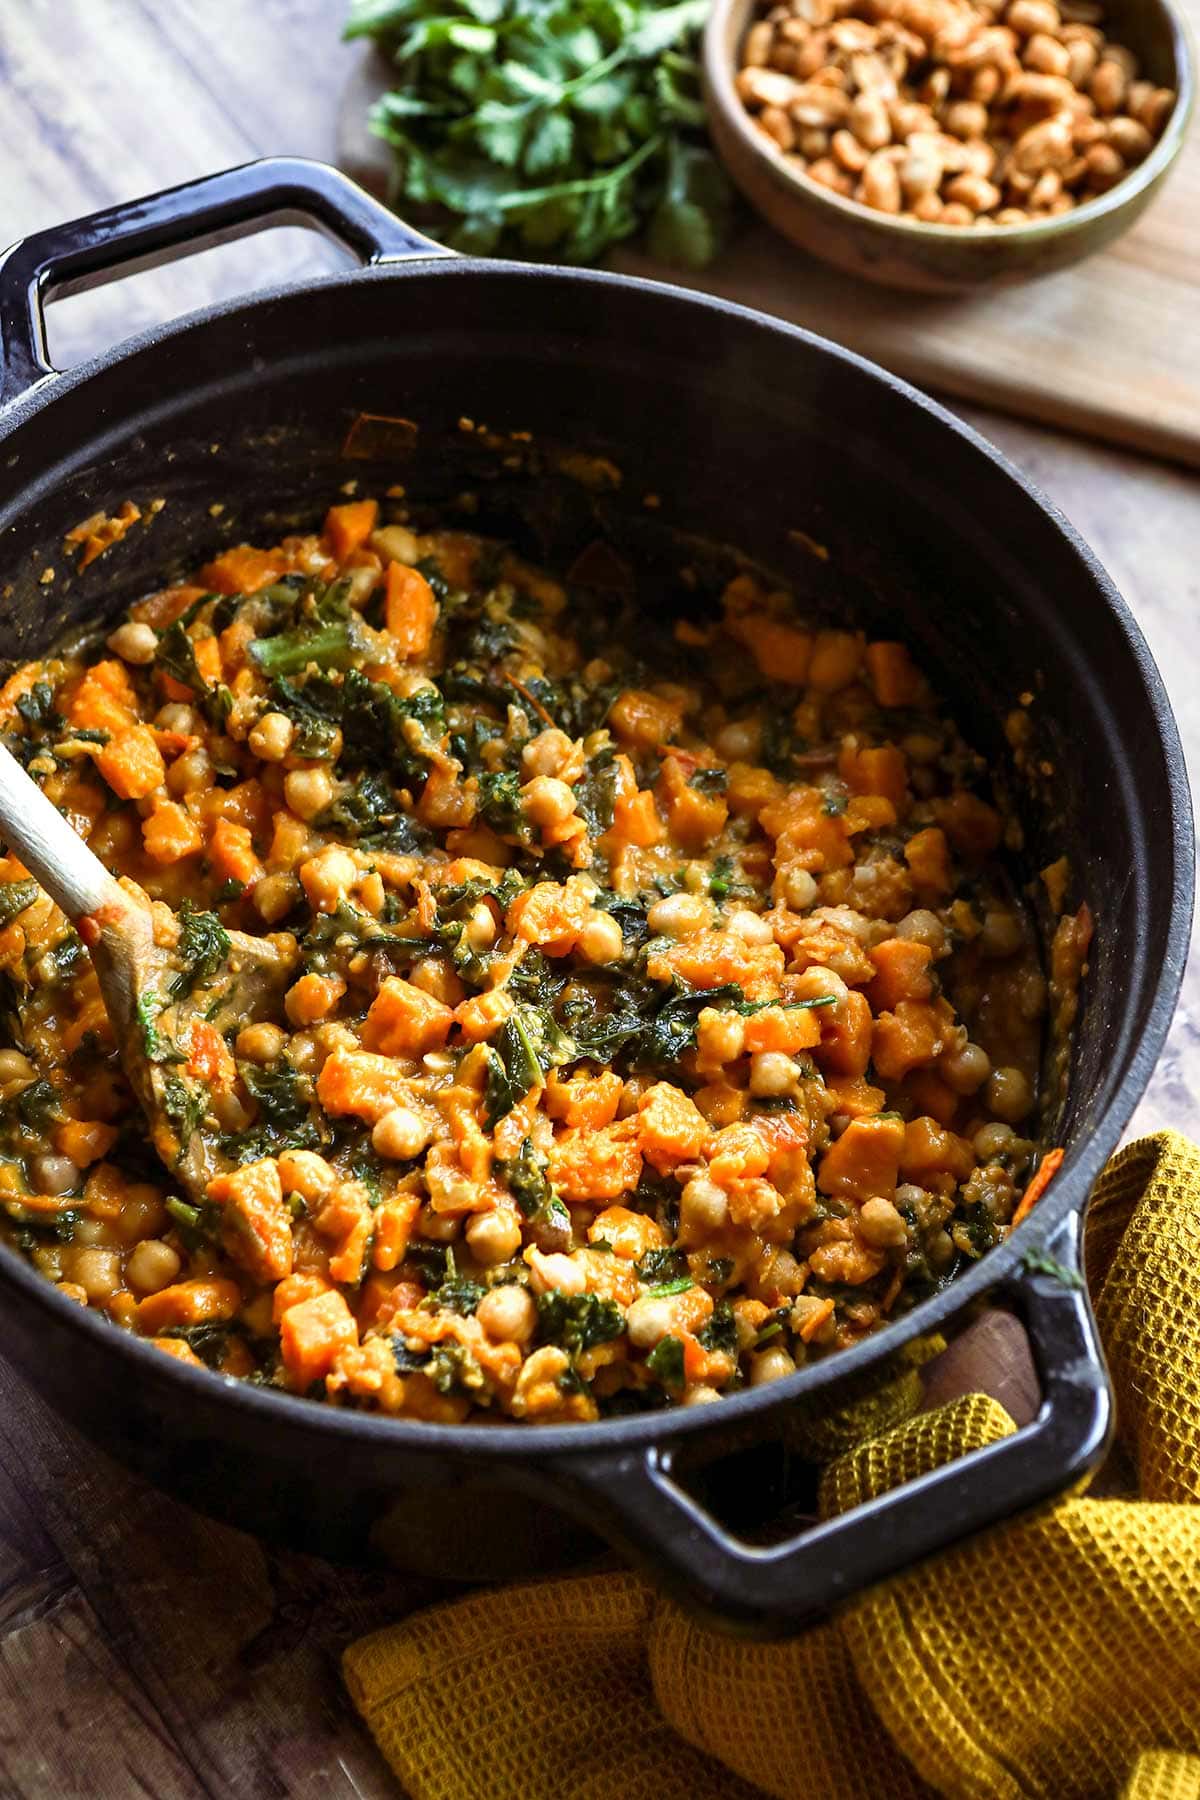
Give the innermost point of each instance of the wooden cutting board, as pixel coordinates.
(1110, 348)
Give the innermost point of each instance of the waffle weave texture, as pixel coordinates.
(1056, 1657)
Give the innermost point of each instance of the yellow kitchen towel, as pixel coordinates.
(1055, 1657)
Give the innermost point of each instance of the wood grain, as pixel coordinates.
(144, 1650)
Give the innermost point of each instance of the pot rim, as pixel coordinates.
(1000, 1267)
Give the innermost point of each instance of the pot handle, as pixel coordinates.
(146, 233)
(632, 1497)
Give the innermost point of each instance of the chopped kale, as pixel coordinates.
(176, 656)
(38, 710)
(513, 1067)
(452, 1368)
(664, 1263)
(278, 1093)
(709, 781)
(665, 1363)
(15, 896)
(458, 1296)
(527, 1180)
(596, 793)
(576, 1322)
(327, 633)
(408, 1362)
(500, 805)
(157, 1046)
(665, 1289)
(203, 947)
(720, 1333)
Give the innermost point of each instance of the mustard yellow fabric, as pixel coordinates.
(1056, 1658)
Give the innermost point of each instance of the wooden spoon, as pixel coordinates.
(153, 1014)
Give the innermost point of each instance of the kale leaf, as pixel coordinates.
(203, 947)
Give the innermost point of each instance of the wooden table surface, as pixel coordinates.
(144, 1650)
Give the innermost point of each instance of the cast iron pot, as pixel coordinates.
(747, 431)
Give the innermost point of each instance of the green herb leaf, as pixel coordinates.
(203, 947)
(665, 1363)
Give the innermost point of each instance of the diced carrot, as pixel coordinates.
(597, 1165)
(672, 1130)
(354, 1081)
(164, 607)
(395, 1222)
(751, 789)
(913, 1034)
(231, 854)
(243, 570)
(104, 699)
(738, 1153)
(313, 997)
(482, 1015)
(85, 1141)
(713, 958)
(636, 820)
(256, 1226)
(781, 651)
(349, 526)
(845, 1047)
(784, 1028)
(405, 1021)
(233, 646)
(893, 675)
(410, 609)
(175, 1347)
(207, 651)
(930, 1094)
(131, 763)
(1047, 1169)
(645, 719)
(855, 1096)
(312, 1334)
(170, 834)
(880, 770)
(836, 660)
(806, 834)
(210, 1058)
(551, 916)
(865, 1160)
(694, 817)
(901, 973)
(630, 1234)
(928, 857)
(930, 1149)
(188, 1303)
(584, 1099)
(295, 1288)
(969, 822)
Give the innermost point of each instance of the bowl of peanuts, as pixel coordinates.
(948, 145)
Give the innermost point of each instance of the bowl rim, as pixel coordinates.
(556, 1449)
(721, 97)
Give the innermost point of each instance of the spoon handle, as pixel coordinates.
(50, 848)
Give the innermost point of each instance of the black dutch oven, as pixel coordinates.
(748, 431)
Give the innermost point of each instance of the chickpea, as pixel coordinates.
(401, 1134)
(260, 1043)
(176, 715)
(481, 927)
(230, 1112)
(1002, 933)
(308, 791)
(967, 1069)
(700, 1394)
(1009, 1095)
(799, 890)
(190, 773)
(881, 1224)
(134, 643)
(923, 927)
(557, 1272)
(97, 1272)
(328, 877)
(142, 1215)
(751, 927)
(275, 896)
(507, 1314)
(703, 1209)
(601, 941)
(495, 1237)
(679, 916)
(771, 1364)
(305, 1173)
(551, 753)
(547, 801)
(271, 738)
(53, 1174)
(739, 741)
(648, 1321)
(991, 1141)
(14, 1067)
(771, 1074)
(152, 1265)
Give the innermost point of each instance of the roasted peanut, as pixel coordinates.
(957, 112)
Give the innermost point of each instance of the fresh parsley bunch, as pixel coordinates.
(550, 127)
